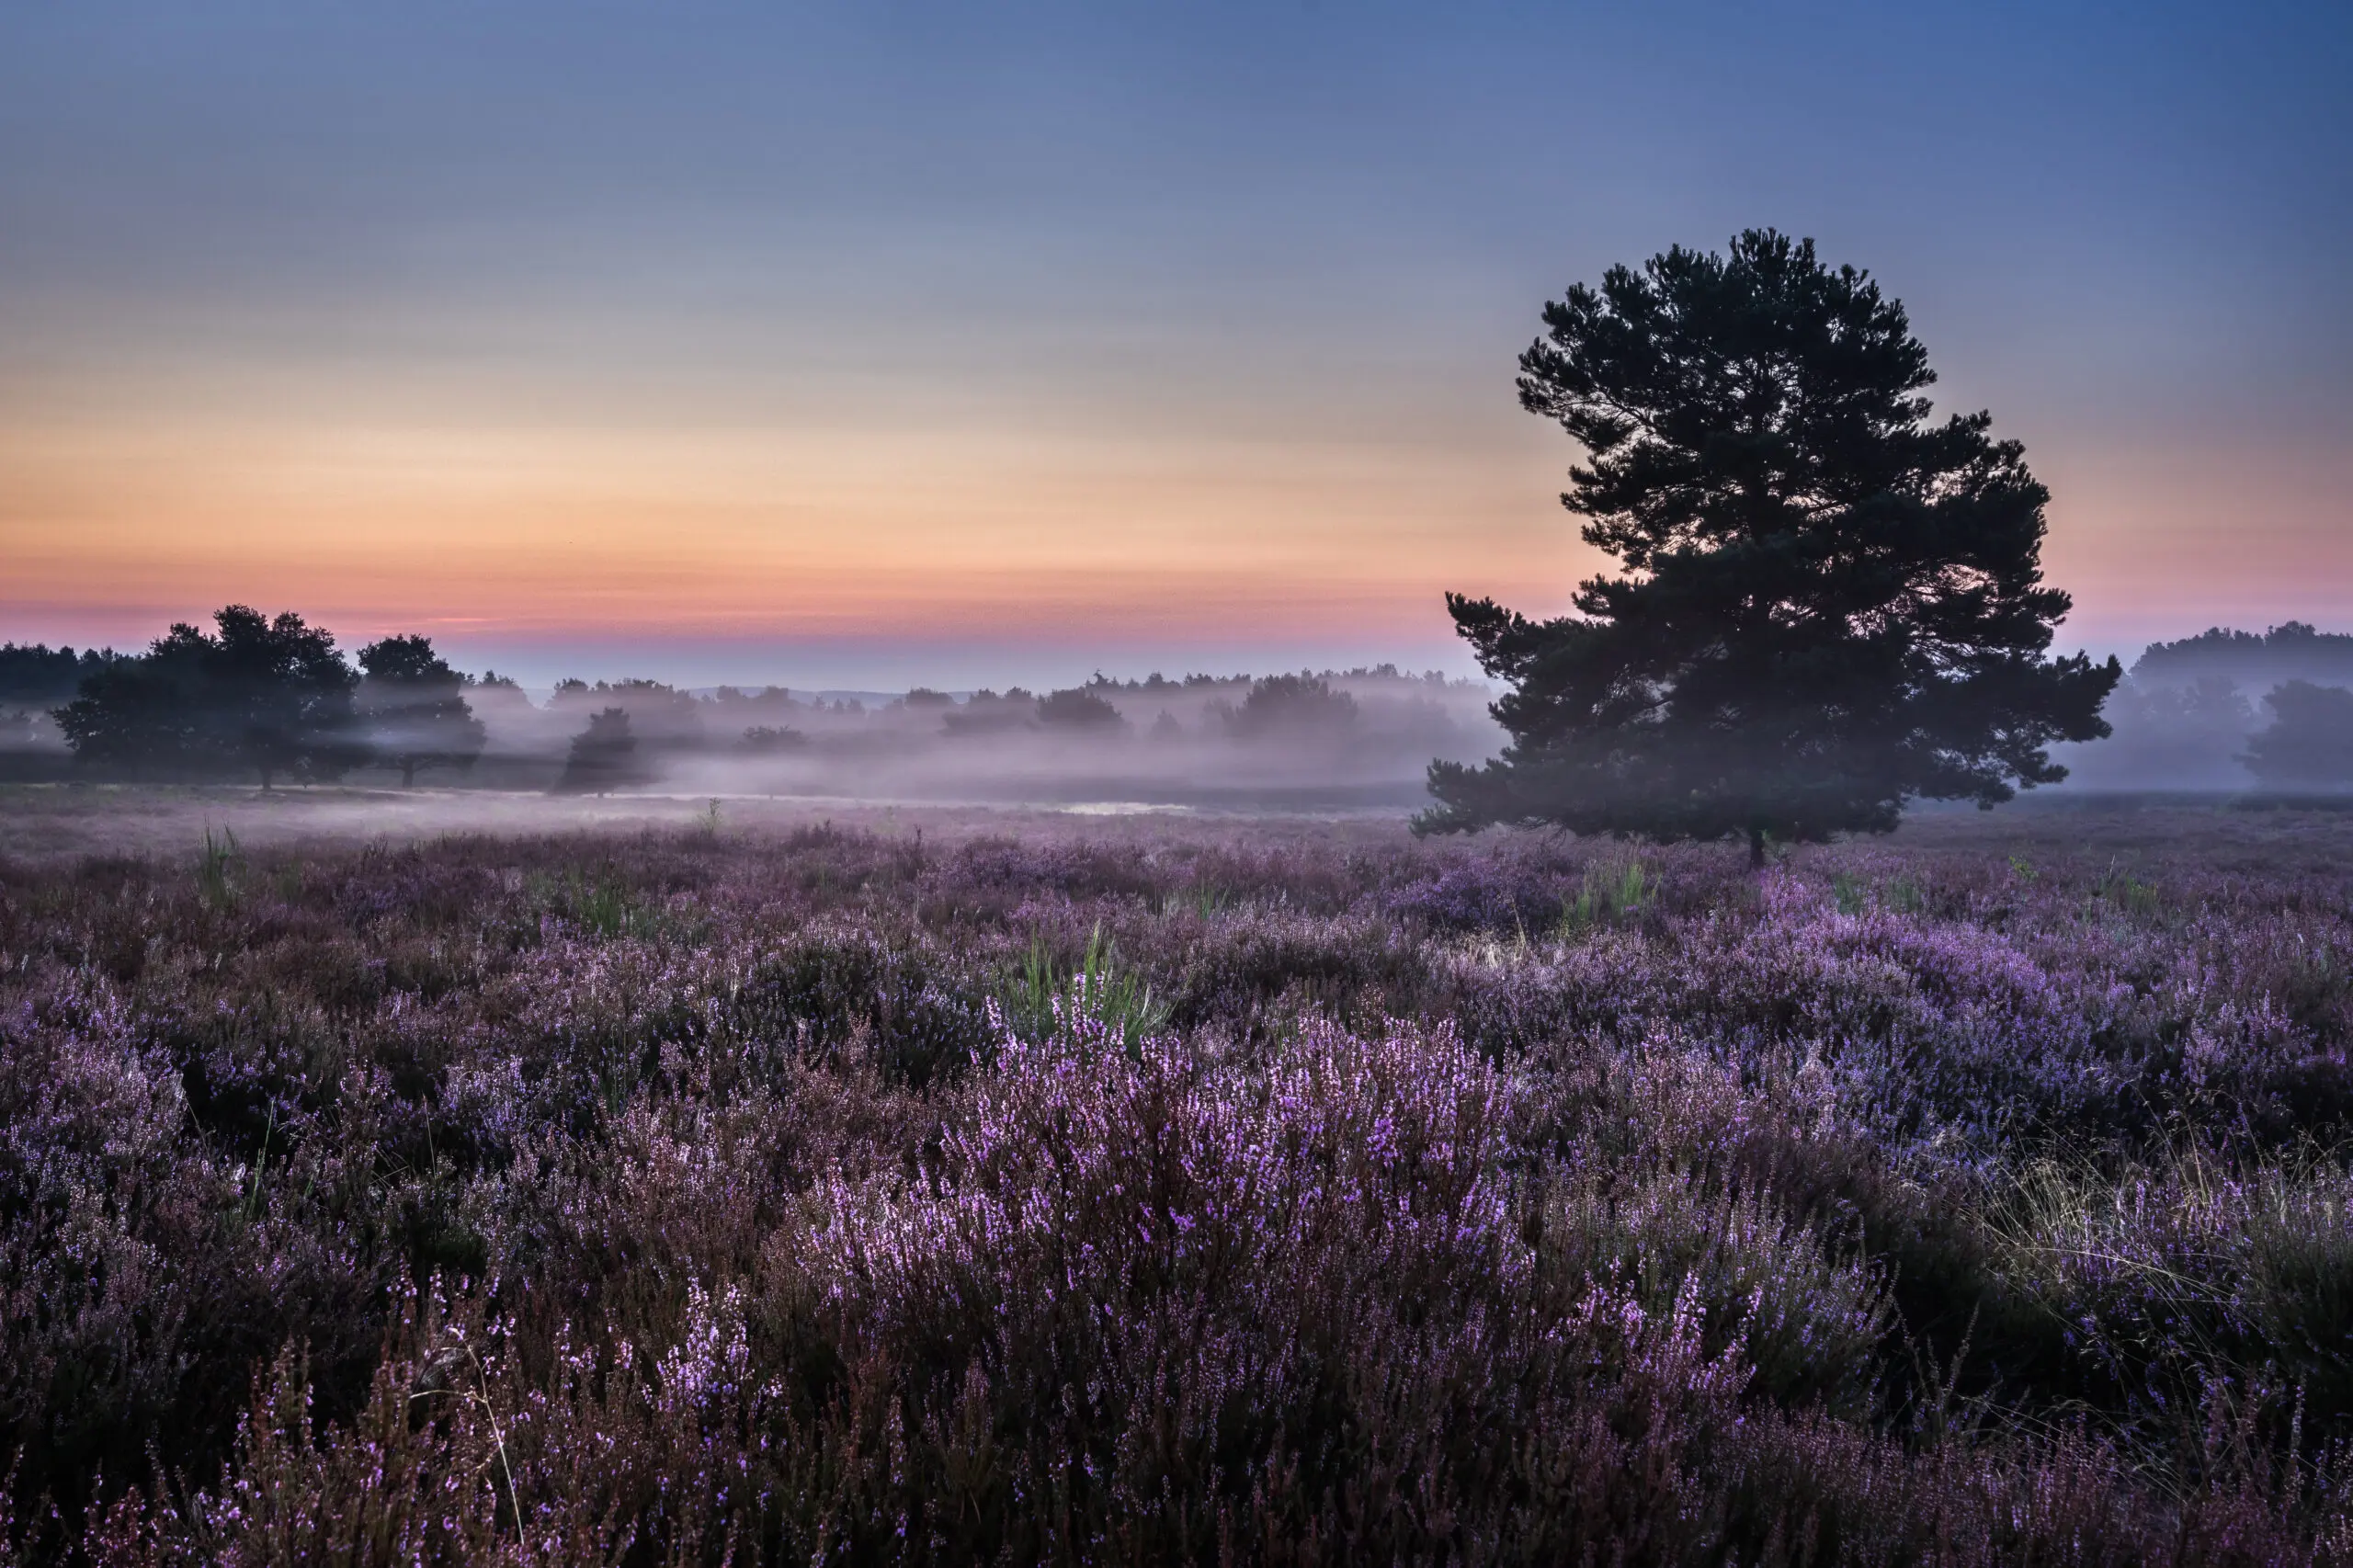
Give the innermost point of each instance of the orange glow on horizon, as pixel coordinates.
(1071, 539)
(751, 532)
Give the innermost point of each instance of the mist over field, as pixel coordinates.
(1831, 1049)
(2183, 720)
(1361, 738)
(1364, 738)
(2186, 715)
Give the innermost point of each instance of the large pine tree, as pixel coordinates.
(1830, 606)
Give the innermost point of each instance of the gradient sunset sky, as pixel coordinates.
(981, 343)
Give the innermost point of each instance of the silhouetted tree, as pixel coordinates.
(663, 717)
(268, 695)
(766, 740)
(1293, 707)
(1078, 709)
(141, 717)
(285, 694)
(1831, 606)
(603, 757)
(34, 674)
(413, 706)
(499, 702)
(2292, 651)
(2309, 744)
(986, 714)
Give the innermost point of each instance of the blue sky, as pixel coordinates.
(913, 342)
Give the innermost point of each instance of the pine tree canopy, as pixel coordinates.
(1830, 604)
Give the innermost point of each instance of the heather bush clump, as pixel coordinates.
(1252, 1194)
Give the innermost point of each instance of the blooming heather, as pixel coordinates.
(1236, 1193)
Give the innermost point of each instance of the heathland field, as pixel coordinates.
(702, 1184)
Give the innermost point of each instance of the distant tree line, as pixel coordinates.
(35, 675)
(1156, 683)
(2291, 651)
(35, 678)
(271, 699)
(1295, 708)
(2222, 708)
(266, 696)
(2309, 744)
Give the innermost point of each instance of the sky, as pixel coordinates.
(897, 342)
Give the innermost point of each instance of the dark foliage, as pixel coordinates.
(603, 756)
(412, 706)
(1078, 709)
(2309, 744)
(1299, 708)
(663, 717)
(262, 696)
(986, 714)
(766, 740)
(1832, 604)
(36, 675)
(2295, 650)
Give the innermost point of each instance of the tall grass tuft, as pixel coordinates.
(1044, 1002)
(217, 866)
(1612, 891)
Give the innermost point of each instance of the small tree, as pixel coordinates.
(767, 740)
(603, 756)
(1292, 707)
(1831, 604)
(1079, 710)
(413, 706)
(986, 714)
(140, 716)
(2309, 744)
